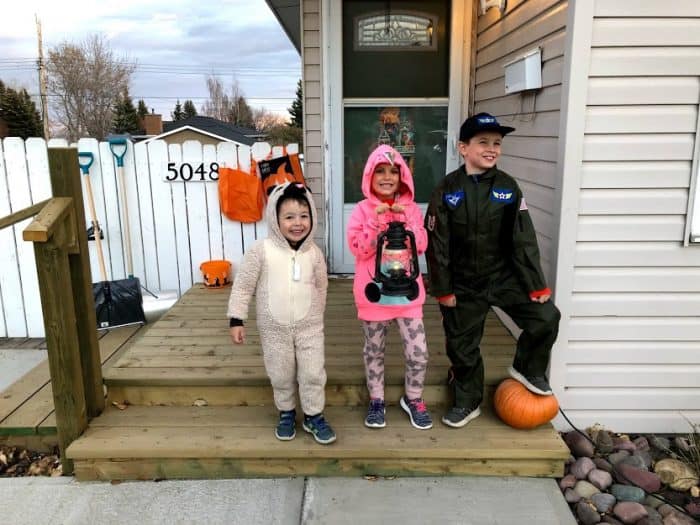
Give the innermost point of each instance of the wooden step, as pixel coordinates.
(26, 407)
(188, 356)
(218, 442)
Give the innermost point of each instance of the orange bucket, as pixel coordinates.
(216, 274)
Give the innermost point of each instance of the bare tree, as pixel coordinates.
(230, 107)
(263, 119)
(218, 105)
(84, 79)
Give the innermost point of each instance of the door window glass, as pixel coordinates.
(417, 132)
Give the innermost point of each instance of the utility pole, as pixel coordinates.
(42, 81)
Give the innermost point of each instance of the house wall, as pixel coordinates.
(628, 355)
(312, 100)
(529, 153)
(181, 136)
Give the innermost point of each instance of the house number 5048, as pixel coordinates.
(187, 172)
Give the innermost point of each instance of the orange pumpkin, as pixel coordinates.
(520, 408)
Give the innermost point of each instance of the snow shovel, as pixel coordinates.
(153, 305)
(117, 303)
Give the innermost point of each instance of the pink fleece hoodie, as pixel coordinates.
(364, 226)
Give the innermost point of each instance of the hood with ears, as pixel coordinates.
(271, 216)
(387, 155)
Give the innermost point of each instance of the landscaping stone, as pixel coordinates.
(604, 442)
(660, 443)
(611, 520)
(645, 456)
(676, 518)
(616, 457)
(627, 493)
(600, 478)
(603, 464)
(603, 502)
(567, 482)
(585, 489)
(586, 513)
(582, 467)
(579, 445)
(653, 502)
(571, 496)
(636, 481)
(641, 443)
(634, 461)
(630, 475)
(676, 474)
(653, 515)
(629, 511)
(623, 444)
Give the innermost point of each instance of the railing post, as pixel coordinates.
(61, 340)
(65, 182)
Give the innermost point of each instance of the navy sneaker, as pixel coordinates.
(457, 417)
(286, 430)
(417, 412)
(319, 428)
(375, 414)
(535, 384)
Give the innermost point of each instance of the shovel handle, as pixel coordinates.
(96, 226)
(115, 144)
(85, 160)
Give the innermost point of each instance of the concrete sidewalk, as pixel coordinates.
(407, 501)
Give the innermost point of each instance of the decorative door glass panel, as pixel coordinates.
(417, 132)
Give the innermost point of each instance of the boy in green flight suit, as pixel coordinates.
(482, 251)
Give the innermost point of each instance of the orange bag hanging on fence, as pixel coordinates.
(240, 193)
(273, 172)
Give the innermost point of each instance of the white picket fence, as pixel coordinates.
(174, 225)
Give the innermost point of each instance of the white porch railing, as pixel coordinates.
(174, 225)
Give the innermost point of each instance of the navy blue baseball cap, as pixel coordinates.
(481, 122)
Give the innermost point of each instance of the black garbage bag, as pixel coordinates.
(118, 303)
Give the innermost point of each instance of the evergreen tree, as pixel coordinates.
(126, 119)
(19, 113)
(142, 109)
(189, 109)
(177, 113)
(297, 109)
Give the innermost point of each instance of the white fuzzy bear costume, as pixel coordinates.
(290, 289)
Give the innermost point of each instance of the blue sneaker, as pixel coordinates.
(286, 430)
(319, 428)
(375, 414)
(417, 412)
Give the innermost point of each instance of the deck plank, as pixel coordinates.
(196, 442)
(190, 345)
(33, 412)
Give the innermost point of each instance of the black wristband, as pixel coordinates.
(234, 321)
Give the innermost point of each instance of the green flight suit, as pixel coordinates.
(482, 248)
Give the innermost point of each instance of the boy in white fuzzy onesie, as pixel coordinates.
(287, 273)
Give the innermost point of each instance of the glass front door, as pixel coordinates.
(396, 91)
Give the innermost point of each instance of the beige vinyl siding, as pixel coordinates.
(632, 349)
(312, 95)
(530, 153)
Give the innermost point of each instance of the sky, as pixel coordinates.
(175, 44)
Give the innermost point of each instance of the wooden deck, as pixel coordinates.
(26, 406)
(193, 406)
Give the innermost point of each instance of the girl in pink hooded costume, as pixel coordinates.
(387, 185)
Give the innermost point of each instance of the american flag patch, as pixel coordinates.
(523, 206)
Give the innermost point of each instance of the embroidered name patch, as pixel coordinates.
(454, 199)
(504, 196)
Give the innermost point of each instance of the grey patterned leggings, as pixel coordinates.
(415, 352)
